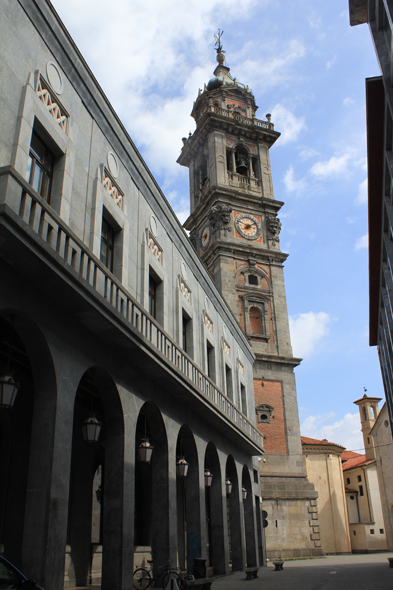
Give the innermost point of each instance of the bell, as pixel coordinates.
(241, 167)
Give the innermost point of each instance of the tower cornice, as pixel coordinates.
(217, 118)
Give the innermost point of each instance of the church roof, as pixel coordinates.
(315, 441)
(355, 461)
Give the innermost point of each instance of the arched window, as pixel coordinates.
(256, 326)
(241, 158)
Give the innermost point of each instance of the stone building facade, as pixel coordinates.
(379, 104)
(324, 470)
(234, 227)
(109, 323)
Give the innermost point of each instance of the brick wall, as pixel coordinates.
(270, 392)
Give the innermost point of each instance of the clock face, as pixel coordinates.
(205, 237)
(248, 226)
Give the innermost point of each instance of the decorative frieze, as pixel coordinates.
(185, 289)
(154, 247)
(208, 323)
(240, 367)
(112, 188)
(227, 348)
(52, 105)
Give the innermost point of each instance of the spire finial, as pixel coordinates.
(220, 52)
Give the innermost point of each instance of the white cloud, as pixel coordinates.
(286, 122)
(308, 152)
(351, 220)
(345, 431)
(362, 242)
(331, 62)
(336, 166)
(362, 195)
(347, 102)
(307, 329)
(292, 185)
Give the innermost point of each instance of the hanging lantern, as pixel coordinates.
(182, 468)
(145, 451)
(99, 494)
(244, 493)
(228, 485)
(8, 390)
(91, 429)
(208, 478)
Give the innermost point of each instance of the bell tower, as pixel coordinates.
(234, 227)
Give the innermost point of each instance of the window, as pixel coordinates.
(211, 361)
(255, 475)
(361, 493)
(243, 399)
(381, 532)
(107, 244)
(152, 297)
(256, 325)
(241, 158)
(348, 481)
(372, 532)
(187, 334)
(354, 533)
(40, 167)
(229, 382)
(264, 413)
(252, 280)
(359, 478)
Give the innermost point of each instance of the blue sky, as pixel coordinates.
(306, 66)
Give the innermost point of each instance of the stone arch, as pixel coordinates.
(234, 516)
(152, 485)
(242, 158)
(214, 512)
(188, 500)
(26, 441)
(249, 527)
(97, 396)
(254, 270)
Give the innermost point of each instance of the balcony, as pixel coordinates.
(244, 182)
(82, 284)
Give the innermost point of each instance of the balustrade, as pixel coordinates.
(39, 216)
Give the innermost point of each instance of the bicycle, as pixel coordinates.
(143, 577)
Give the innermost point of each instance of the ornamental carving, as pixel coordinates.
(208, 323)
(154, 247)
(193, 237)
(185, 289)
(240, 367)
(220, 217)
(264, 413)
(273, 228)
(112, 188)
(227, 348)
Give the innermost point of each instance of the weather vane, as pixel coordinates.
(218, 41)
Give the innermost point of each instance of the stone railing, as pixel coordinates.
(235, 179)
(240, 119)
(40, 219)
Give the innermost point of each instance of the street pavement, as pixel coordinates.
(338, 572)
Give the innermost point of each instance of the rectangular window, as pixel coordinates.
(152, 297)
(107, 244)
(372, 532)
(255, 476)
(243, 399)
(381, 531)
(359, 478)
(40, 167)
(354, 533)
(187, 344)
(361, 493)
(211, 361)
(228, 382)
(348, 481)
